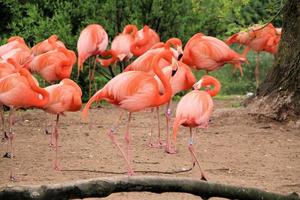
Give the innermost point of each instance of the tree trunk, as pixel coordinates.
(103, 187)
(278, 97)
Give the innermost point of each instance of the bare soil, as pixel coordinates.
(237, 148)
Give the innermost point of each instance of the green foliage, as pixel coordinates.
(36, 20)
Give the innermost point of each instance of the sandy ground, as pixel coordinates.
(237, 149)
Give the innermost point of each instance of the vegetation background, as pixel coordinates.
(36, 20)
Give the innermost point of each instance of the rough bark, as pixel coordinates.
(278, 97)
(103, 187)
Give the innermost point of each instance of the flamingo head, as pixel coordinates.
(207, 80)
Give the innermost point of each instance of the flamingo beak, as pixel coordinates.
(180, 52)
(174, 66)
(198, 85)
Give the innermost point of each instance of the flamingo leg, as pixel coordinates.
(11, 137)
(127, 138)
(168, 117)
(112, 136)
(256, 71)
(55, 133)
(5, 137)
(194, 157)
(159, 141)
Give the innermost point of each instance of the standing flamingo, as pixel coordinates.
(63, 97)
(194, 110)
(134, 91)
(47, 45)
(259, 38)
(92, 41)
(20, 90)
(209, 53)
(144, 40)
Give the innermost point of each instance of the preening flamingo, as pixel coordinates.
(144, 40)
(92, 41)
(258, 38)
(13, 42)
(20, 90)
(63, 97)
(194, 110)
(134, 91)
(53, 65)
(47, 45)
(209, 53)
(121, 45)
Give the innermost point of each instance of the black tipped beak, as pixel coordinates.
(180, 56)
(174, 71)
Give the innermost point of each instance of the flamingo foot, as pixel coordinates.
(7, 155)
(170, 150)
(12, 178)
(130, 172)
(160, 144)
(57, 167)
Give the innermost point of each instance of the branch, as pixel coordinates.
(103, 187)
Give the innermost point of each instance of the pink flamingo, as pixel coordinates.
(258, 38)
(63, 97)
(209, 53)
(121, 44)
(53, 65)
(194, 110)
(134, 91)
(92, 41)
(47, 45)
(13, 42)
(144, 40)
(142, 63)
(20, 90)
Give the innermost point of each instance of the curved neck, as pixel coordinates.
(37, 102)
(130, 29)
(175, 42)
(139, 47)
(161, 99)
(52, 40)
(108, 61)
(215, 83)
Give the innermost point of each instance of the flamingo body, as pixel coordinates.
(47, 45)
(92, 41)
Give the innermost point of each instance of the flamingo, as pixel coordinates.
(20, 90)
(182, 80)
(47, 45)
(7, 67)
(63, 97)
(134, 91)
(194, 110)
(209, 53)
(92, 41)
(121, 45)
(13, 42)
(53, 65)
(144, 40)
(142, 63)
(258, 38)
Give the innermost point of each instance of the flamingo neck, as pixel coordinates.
(108, 61)
(161, 99)
(37, 102)
(139, 47)
(130, 29)
(215, 83)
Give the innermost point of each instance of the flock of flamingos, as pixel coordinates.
(159, 71)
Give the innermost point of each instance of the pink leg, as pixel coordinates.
(195, 160)
(150, 144)
(159, 141)
(46, 124)
(168, 117)
(5, 137)
(256, 71)
(127, 138)
(55, 134)
(11, 137)
(111, 135)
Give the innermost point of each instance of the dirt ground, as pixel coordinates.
(237, 148)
